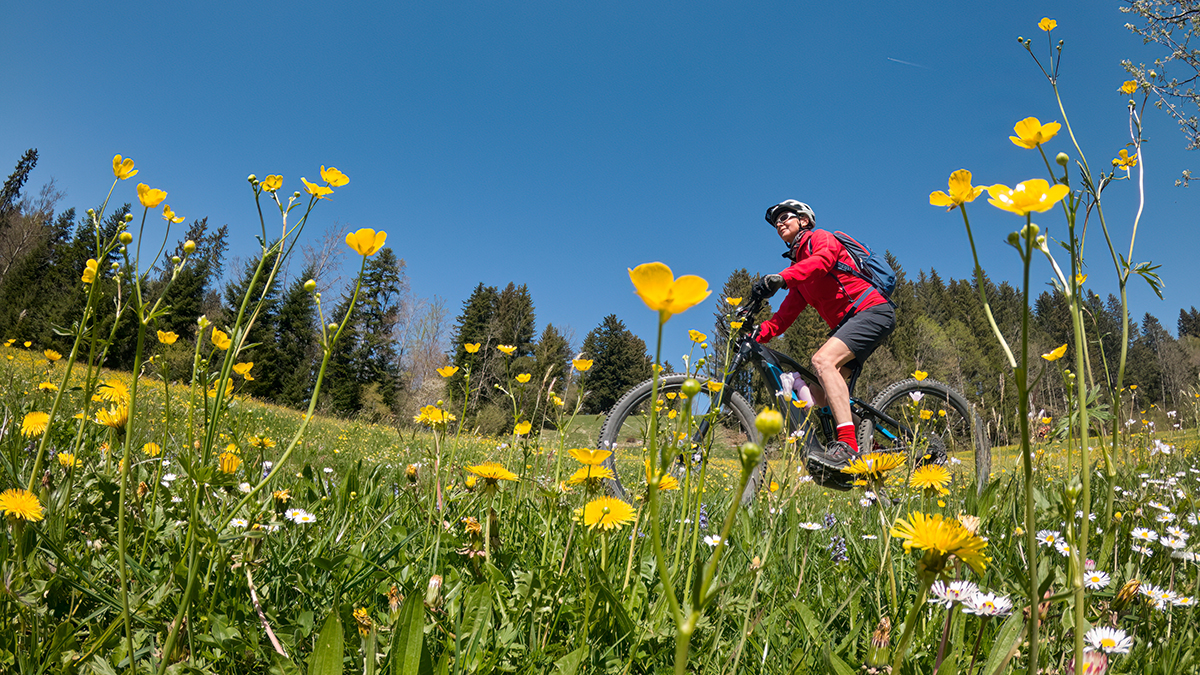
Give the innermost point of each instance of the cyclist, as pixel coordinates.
(859, 315)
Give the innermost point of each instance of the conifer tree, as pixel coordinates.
(619, 362)
(298, 350)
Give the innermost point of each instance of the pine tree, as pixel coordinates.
(1189, 323)
(298, 350)
(619, 362)
(472, 327)
(263, 307)
(376, 356)
(186, 296)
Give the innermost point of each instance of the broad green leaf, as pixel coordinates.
(569, 664)
(1007, 638)
(836, 664)
(326, 658)
(409, 636)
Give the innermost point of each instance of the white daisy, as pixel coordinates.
(1178, 532)
(1186, 556)
(304, 518)
(1063, 548)
(865, 502)
(870, 537)
(176, 500)
(1109, 640)
(712, 539)
(1048, 537)
(291, 514)
(812, 526)
(1144, 534)
(1184, 601)
(327, 470)
(947, 594)
(1160, 507)
(1173, 542)
(1144, 550)
(988, 604)
(168, 477)
(238, 522)
(244, 487)
(1096, 580)
(1165, 517)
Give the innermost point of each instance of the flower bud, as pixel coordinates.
(126, 238)
(751, 453)
(317, 296)
(1014, 238)
(1041, 241)
(433, 593)
(296, 194)
(129, 217)
(175, 260)
(701, 362)
(1062, 158)
(203, 322)
(769, 422)
(115, 266)
(332, 327)
(310, 285)
(189, 247)
(691, 387)
(252, 178)
(91, 212)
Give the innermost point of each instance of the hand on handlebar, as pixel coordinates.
(768, 286)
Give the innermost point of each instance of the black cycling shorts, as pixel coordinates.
(865, 330)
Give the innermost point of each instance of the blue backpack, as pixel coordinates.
(872, 268)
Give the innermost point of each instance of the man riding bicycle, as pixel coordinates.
(859, 315)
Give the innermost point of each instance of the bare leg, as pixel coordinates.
(829, 363)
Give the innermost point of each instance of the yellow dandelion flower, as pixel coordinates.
(48, 386)
(67, 460)
(590, 473)
(874, 464)
(35, 424)
(229, 462)
(607, 513)
(113, 391)
(152, 449)
(52, 355)
(21, 504)
(931, 477)
(941, 538)
(492, 473)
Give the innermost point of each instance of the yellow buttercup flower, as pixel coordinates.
(665, 483)
(522, 428)
(1056, 354)
(152, 449)
(434, 416)
(657, 286)
(1047, 24)
(941, 538)
(21, 504)
(334, 177)
(1129, 87)
(697, 336)
(1047, 420)
(35, 424)
(272, 183)
(714, 386)
(556, 399)
(523, 378)
(507, 349)
(920, 375)
(581, 365)
(123, 168)
(168, 337)
(229, 462)
(447, 371)
(735, 324)
(1124, 161)
(471, 347)
(1032, 133)
(169, 215)
(589, 456)
(150, 197)
(926, 414)
(933, 477)
(961, 191)
(773, 487)
(1079, 279)
(89, 271)
(733, 302)
(243, 369)
(221, 340)
(52, 355)
(318, 191)
(607, 513)
(366, 241)
(1032, 195)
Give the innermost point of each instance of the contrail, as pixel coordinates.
(908, 63)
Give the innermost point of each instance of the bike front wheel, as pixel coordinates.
(935, 421)
(626, 433)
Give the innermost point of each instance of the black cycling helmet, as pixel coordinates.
(799, 208)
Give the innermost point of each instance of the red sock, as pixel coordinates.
(846, 435)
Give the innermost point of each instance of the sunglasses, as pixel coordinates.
(784, 217)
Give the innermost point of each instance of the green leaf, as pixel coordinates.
(835, 663)
(409, 636)
(326, 658)
(1007, 639)
(569, 664)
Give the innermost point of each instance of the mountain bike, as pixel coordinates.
(925, 419)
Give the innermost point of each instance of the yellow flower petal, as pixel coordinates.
(366, 241)
(1055, 354)
(318, 191)
(272, 183)
(447, 371)
(1047, 24)
(150, 197)
(334, 177)
(1027, 197)
(1032, 133)
(123, 168)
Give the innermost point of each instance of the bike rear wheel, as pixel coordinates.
(944, 422)
(626, 433)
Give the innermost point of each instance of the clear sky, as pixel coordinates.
(556, 144)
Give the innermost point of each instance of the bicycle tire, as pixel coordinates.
(962, 434)
(622, 430)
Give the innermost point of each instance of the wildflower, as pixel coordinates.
(169, 215)
(1096, 580)
(1143, 550)
(811, 527)
(657, 286)
(696, 336)
(556, 399)
(960, 193)
(123, 168)
(1184, 601)
(987, 604)
(920, 375)
(916, 396)
(1124, 161)
(243, 369)
(471, 347)
(712, 539)
(607, 513)
(21, 504)
(773, 487)
(874, 464)
(522, 428)
(152, 449)
(229, 462)
(410, 473)
(1165, 517)
(167, 337)
(1032, 133)
(35, 424)
(1109, 640)
(594, 474)
(1047, 537)
(366, 242)
(220, 339)
(67, 460)
(1173, 542)
(261, 442)
(304, 518)
(150, 197)
(507, 349)
(470, 483)
(434, 416)
(89, 271)
(1063, 548)
(1178, 532)
(940, 538)
(52, 355)
(589, 456)
(1032, 195)
(956, 591)
(492, 473)
(282, 496)
(272, 183)
(933, 477)
(238, 523)
(523, 378)
(334, 177)
(735, 324)
(115, 417)
(447, 371)
(1056, 353)
(926, 414)
(1047, 24)
(1047, 420)
(318, 191)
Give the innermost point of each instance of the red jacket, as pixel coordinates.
(813, 280)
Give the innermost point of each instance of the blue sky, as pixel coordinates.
(557, 144)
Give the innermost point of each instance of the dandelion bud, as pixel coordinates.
(1062, 158)
(1014, 238)
(129, 217)
(751, 453)
(769, 422)
(310, 285)
(691, 387)
(252, 178)
(410, 473)
(189, 247)
(126, 238)
(433, 593)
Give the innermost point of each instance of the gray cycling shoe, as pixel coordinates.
(829, 478)
(836, 456)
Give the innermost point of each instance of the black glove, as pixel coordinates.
(768, 286)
